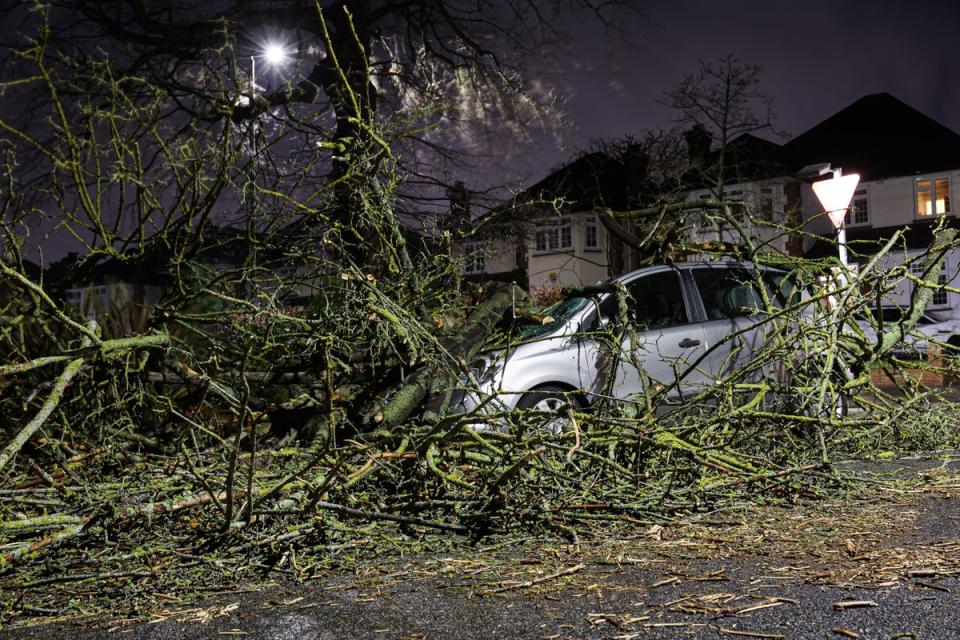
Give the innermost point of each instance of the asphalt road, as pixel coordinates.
(885, 568)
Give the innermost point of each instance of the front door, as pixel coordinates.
(661, 350)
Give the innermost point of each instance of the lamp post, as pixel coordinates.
(835, 195)
(274, 55)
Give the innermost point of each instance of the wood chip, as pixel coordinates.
(843, 605)
(930, 585)
(749, 634)
(530, 583)
(665, 582)
(847, 633)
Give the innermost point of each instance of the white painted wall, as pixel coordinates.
(574, 266)
(767, 230)
(892, 202)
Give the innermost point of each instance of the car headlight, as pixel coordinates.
(483, 370)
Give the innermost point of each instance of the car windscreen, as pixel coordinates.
(559, 314)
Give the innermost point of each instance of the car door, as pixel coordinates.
(736, 323)
(661, 346)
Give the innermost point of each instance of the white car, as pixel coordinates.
(914, 345)
(692, 324)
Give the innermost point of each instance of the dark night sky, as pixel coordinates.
(818, 57)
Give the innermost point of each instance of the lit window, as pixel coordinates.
(933, 197)
(592, 236)
(859, 212)
(553, 235)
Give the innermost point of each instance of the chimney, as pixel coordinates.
(698, 144)
(636, 164)
(459, 215)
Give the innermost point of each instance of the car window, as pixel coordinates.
(561, 312)
(656, 301)
(732, 293)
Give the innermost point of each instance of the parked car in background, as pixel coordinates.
(692, 324)
(915, 345)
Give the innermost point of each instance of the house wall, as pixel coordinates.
(892, 202)
(767, 202)
(576, 265)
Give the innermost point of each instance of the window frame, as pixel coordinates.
(474, 254)
(862, 194)
(591, 223)
(941, 297)
(553, 235)
(932, 190)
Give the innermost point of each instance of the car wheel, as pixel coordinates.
(797, 393)
(554, 402)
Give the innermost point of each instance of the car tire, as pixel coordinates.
(788, 399)
(550, 399)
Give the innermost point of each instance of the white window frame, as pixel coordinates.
(474, 258)
(553, 235)
(928, 185)
(591, 224)
(857, 216)
(767, 204)
(738, 194)
(940, 297)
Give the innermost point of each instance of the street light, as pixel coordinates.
(835, 195)
(274, 54)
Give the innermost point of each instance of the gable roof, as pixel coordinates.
(747, 158)
(592, 180)
(878, 136)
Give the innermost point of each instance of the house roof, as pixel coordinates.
(878, 136)
(869, 240)
(747, 158)
(593, 180)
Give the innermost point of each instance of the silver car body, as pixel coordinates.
(693, 323)
(914, 345)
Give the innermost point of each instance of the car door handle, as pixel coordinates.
(686, 343)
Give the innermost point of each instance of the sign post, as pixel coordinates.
(835, 195)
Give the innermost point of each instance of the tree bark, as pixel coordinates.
(462, 347)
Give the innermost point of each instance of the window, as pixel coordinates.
(766, 204)
(474, 258)
(859, 212)
(933, 197)
(656, 302)
(736, 196)
(592, 234)
(553, 235)
(732, 293)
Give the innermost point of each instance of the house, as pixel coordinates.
(909, 166)
(553, 228)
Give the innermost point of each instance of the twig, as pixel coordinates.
(553, 576)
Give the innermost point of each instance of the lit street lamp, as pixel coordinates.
(274, 55)
(835, 195)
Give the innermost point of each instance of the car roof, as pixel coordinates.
(686, 266)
